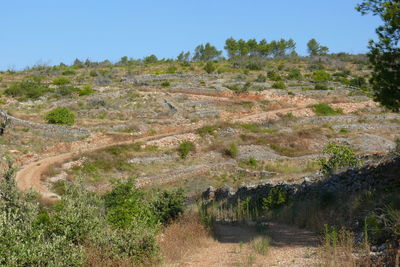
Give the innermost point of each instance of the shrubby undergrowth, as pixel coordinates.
(120, 226)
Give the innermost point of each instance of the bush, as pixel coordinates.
(273, 76)
(232, 151)
(33, 235)
(165, 84)
(321, 86)
(205, 130)
(31, 89)
(185, 148)
(261, 78)
(171, 69)
(238, 88)
(321, 76)
(359, 82)
(340, 156)
(275, 199)
(294, 74)
(93, 73)
(126, 206)
(169, 205)
(61, 81)
(60, 116)
(210, 67)
(279, 85)
(66, 90)
(86, 90)
(68, 72)
(326, 110)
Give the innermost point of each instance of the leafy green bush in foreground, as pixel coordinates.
(119, 227)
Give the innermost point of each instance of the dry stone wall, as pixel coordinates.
(48, 130)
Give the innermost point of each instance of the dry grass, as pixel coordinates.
(95, 258)
(288, 167)
(183, 237)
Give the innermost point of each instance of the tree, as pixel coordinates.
(78, 63)
(206, 52)
(183, 57)
(124, 60)
(150, 59)
(315, 49)
(384, 54)
(282, 47)
(231, 47)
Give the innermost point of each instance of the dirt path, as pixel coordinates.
(290, 246)
(29, 176)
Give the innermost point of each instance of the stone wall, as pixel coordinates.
(380, 173)
(48, 130)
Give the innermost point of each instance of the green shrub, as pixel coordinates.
(294, 74)
(252, 162)
(321, 76)
(359, 82)
(321, 86)
(25, 240)
(185, 148)
(61, 81)
(206, 130)
(31, 89)
(279, 85)
(222, 70)
(60, 116)
(261, 78)
(273, 76)
(238, 88)
(68, 72)
(275, 199)
(171, 69)
(232, 151)
(121, 227)
(169, 205)
(165, 84)
(255, 65)
(93, 73)
(126, 207)
(339, 156)
(210, 67)
(344, 73)
(326, 110)
(64, 90)
(86, 90)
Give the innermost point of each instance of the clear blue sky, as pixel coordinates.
(54, 31)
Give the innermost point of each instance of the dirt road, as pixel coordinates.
(290, 246)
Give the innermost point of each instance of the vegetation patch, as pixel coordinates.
(326, 110)
(61, 116)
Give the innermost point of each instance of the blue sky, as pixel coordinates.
(54, 31)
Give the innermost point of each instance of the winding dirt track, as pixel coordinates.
(29, 176)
